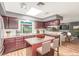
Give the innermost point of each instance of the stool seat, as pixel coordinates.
(44, 49)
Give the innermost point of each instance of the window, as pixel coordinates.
(64, 27)
(26, 27)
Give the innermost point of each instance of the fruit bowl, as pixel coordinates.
(40, 35)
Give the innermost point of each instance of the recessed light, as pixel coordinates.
(33, 11)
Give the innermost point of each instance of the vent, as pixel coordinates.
(40, 3)
(23, 5)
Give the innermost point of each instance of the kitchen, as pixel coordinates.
(22, 30)
(14, 39)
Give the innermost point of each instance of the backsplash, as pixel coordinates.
(9, 32)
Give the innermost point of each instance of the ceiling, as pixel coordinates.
(65, 9)
(2, 11)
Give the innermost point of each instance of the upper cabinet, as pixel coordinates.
(52, 23)
(10, 22)
(39, 25)
(6, 22)
(13, 23)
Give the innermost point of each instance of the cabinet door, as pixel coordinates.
(19, 42)
(13, 23)
(10, 22)
(6, 22)
(9, 45)
(39, 25)
(9, 40)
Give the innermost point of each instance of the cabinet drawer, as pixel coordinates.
(19, 39)
(9, 49)
(20, 43)
(19, 46)
(10, 45)
(9, 40)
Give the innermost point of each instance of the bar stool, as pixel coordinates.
(44, 49)
(55, 45)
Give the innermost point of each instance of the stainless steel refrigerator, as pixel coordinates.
(1, 35)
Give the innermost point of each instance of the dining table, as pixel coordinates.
(36, 42)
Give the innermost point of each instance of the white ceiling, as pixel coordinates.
(2, 9)
(68, 10)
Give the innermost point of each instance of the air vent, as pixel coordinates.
(40, 3)
(23, 5)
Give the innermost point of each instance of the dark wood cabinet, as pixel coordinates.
(52, 23)
(9, 45)
(13, 23)
(15, 43)
(39, 25)
(12, 44)
(6, 22)
(20, 43)
(10, 22)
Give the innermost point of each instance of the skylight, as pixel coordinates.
(33, 11)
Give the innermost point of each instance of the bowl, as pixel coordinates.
(40, 35)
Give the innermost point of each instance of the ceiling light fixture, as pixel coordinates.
(33, 11)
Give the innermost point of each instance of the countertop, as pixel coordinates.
(36, 40)
(47, 32)
(19, 35)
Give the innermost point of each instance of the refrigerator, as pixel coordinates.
(1, 35)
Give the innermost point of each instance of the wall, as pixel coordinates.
(67, 20)
(71, 24)
(37, 23)
(2, 9)
(20, 17)
(12, 33)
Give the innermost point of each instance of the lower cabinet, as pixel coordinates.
(15, 43)
(20, 43)
(9, 45)
(9, 48)
(12, 44)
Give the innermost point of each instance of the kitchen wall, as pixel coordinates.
(67, 20)
(37, 23)
(20, 17)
